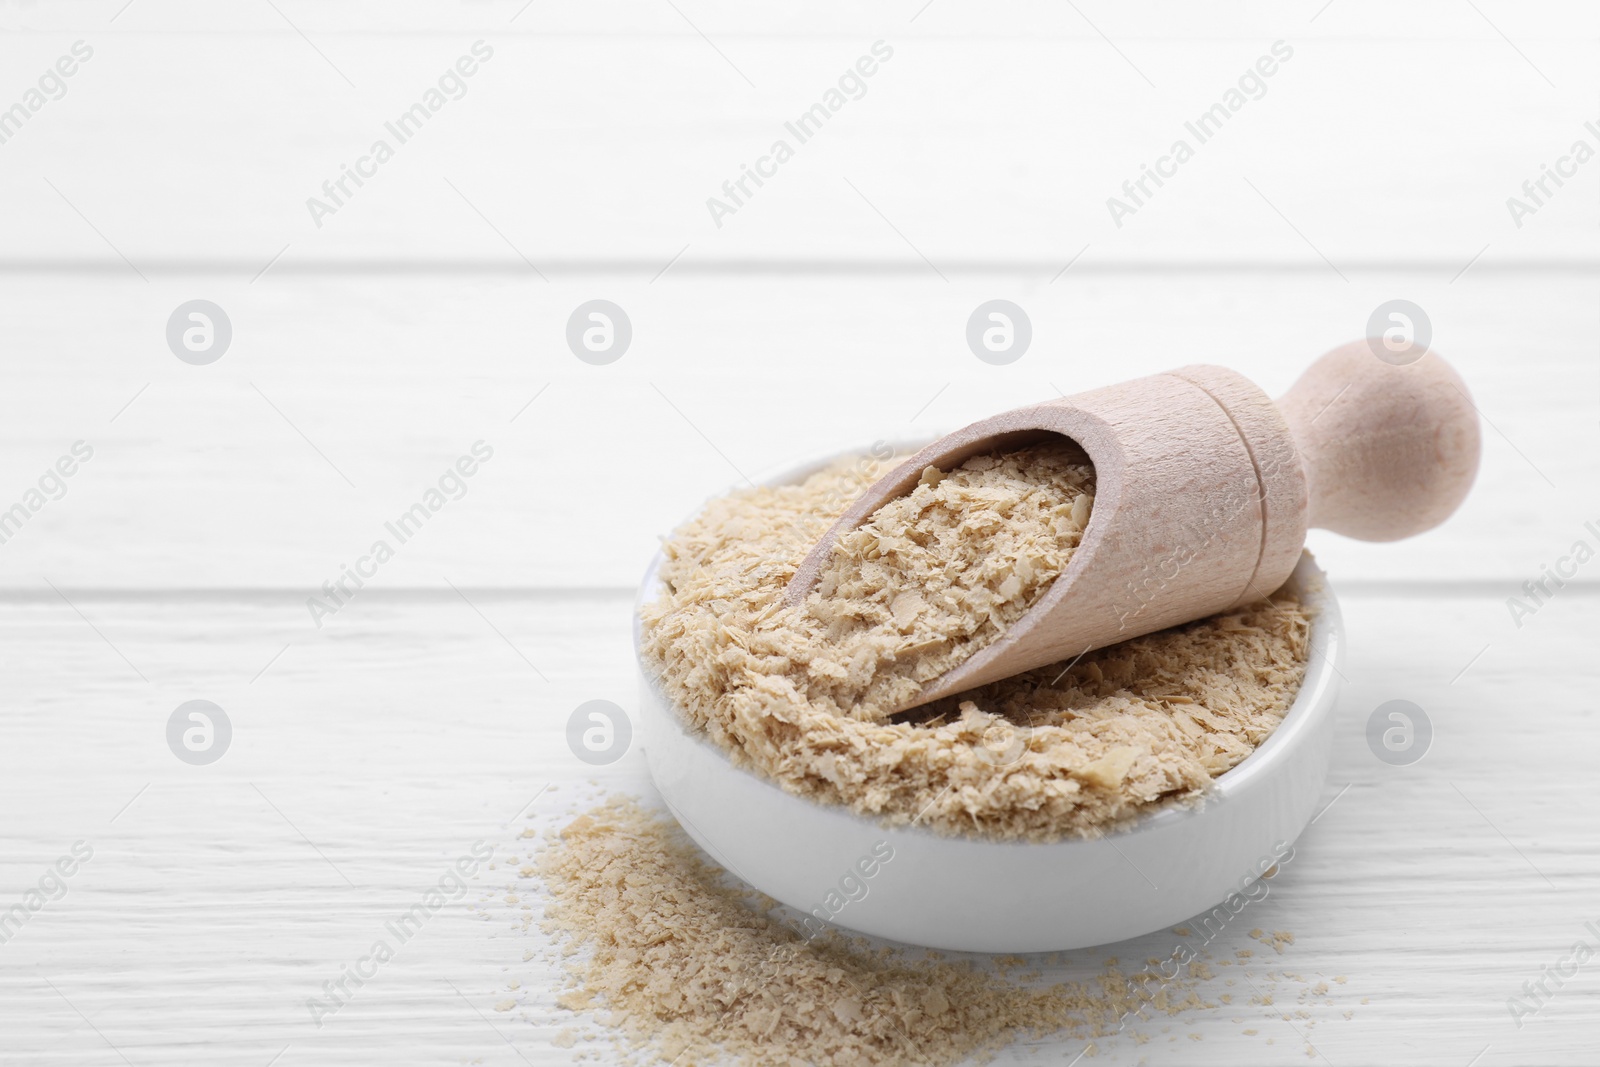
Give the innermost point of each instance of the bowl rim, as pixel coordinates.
(1315, 698)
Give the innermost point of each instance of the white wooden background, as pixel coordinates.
(428, 313)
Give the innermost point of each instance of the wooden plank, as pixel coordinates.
(216, 903)
(1431, 20)
(342, 401)
(571, 150)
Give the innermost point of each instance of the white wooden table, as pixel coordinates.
(428, 313)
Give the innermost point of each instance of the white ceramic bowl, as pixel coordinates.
(968, 894)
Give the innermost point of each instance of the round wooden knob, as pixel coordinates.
(1389, 450)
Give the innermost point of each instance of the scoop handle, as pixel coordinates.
(1389, 449)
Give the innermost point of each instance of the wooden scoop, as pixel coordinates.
(1205, 489)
